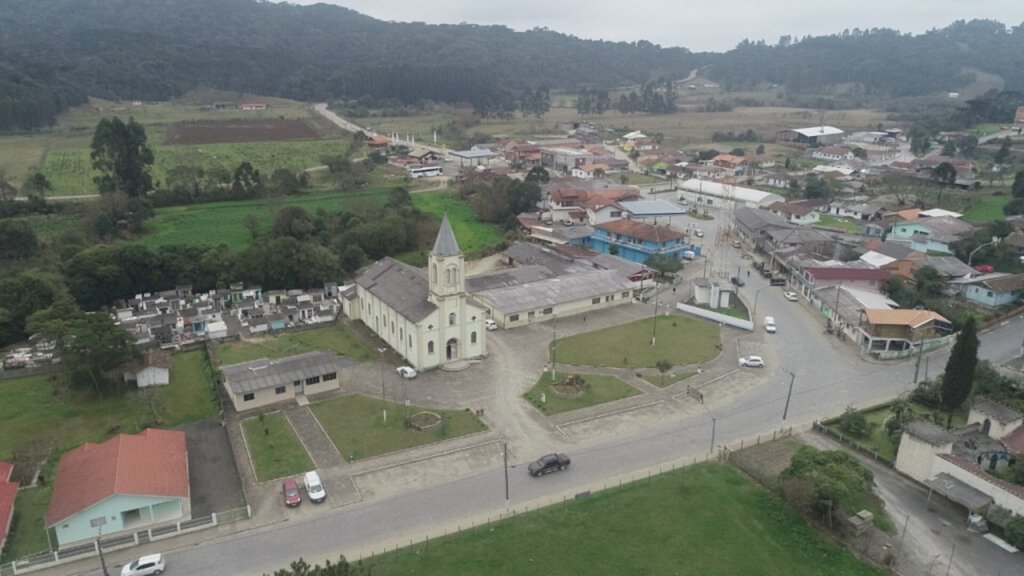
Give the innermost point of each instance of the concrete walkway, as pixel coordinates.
(313, 437)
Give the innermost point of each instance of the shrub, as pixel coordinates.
(854, 423)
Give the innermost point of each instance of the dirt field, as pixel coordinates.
(234, 131)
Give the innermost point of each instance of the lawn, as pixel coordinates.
(831, 222)
(191, 395)
(706, 519)
(275, 449)
(336, 338)
(224, 222)
(472, 234)
(877, 440)
(29, 529)
(668, 378)
(987, 209)
(680, 340)
(602, 389)
(356, 426)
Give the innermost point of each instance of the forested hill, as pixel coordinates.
(54, 53)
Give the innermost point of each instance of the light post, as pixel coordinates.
(383, 392)
(505, 450)
(757, 295)
(714, 424)
(995, 240)
(98, 523)
(654, 325)
(785, 411)
(554, 329)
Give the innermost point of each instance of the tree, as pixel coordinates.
(302, 568)
(295, 222)
(7, 191)
(121, 155)
(246, 182)
(826, 482)
(1018, 185)
(967, 146)
(929, 283)
(944, 173)
(93, 352)
(18, 240)
(958, 377)
(37, 184)
(1003, 154)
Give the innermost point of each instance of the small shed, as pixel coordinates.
(154, 370)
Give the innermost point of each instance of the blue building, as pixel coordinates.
(995, 292)
(636, 241)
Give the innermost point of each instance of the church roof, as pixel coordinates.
(401, 287)
(445, 245)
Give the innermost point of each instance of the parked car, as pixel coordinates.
(292, 496)
(687, 254)
(777, 281)
(145, 566)
(698, 233)
(737, 281)
(314, 487)
(490, 324)
(736, 244)
(549, 463)
(791, 296)
(752, 362)
(769, 324)
(407, 372)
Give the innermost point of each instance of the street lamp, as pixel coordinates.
(785, 411)
(654, 328)
(757, 295)
(995, 240)
(383, 393)
(554, 329)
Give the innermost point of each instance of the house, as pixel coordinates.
(832, 153)
(155, 370)
(996, 420)
(637, 241)
(732, 164)
(813, 136)
(995, 292)
(377, 141)
(899, 330)
(564, 159)
(651, 211)
(262, 382)
(801, 212)
(711, 193)
(424, 315)
(920, 442)
(855, 211)
(590, 171)
(127, 483)
(253, 106)
(842, 305)
(8, 494)
(930, 234)
(864, 278)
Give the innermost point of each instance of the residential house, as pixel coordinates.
(154, 370)
(930, 234)
(842, 305)
(8, 494)
(555, 233)
(732, 164)
(563, 159)
(377, 142)
(775, 180)
(855, 211)
(590, 171)
(262, 382)
(637, 241)
(127, 483)
(832, 153)
(882, 331)
(424, 315)
(863, 278)
(800, 212)
(652, 211)
(995, 292)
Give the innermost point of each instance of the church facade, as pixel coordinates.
(424, 315)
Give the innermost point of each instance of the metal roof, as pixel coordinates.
(928, 432)
(265, 373)
(472, 154)
(818, 131)
(401, 287)
(739, 193)
(958, 491)
(1004, 414)
(554, 291)
(445, 244)
(651, 208)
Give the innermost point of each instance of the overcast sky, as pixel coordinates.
(710, 25)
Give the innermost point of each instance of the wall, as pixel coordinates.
(716, 317)
(1001, 496)
(915, 457)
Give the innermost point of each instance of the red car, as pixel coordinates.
(985, 269)
(292, 496)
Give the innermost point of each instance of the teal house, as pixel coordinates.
(126, 484)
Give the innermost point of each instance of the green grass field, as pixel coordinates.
(668, 378)
(472, 234)
(224, 222)
(275, 449)
(70, 169)
(987, 209)
(190, 386)
(831, 222)
(355, 424)
(706, 519)
(29, 534)
(680, 340)
(602, 389)
(336, 338)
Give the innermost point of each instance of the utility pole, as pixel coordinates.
(785, 411)
(920, 352)
(505, 449)
(383, 392)
(714, 424)
(554, 328)
(654, 329)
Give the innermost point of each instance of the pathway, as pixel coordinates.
(313, 437)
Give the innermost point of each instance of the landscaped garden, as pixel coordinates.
(567, 392)
(356, 425)
(680, 340)
(275, 449)
(706, 519)
(335, 338)
(868, 429)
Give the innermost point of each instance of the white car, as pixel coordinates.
(752, 362)
(152, 564)
(698, 233)
(791, 296)
(490, 324)
(769, 324)
(314, 487)
(407, 372)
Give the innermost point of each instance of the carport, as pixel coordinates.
(957, 491)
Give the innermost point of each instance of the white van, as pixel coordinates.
(769, 324)
(314, 487)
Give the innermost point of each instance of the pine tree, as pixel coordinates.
(958, 378)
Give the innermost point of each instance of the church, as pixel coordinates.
(423, 315)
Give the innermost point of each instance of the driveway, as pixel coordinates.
(214, 484)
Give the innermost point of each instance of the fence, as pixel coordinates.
(847, 441)
(121, 541)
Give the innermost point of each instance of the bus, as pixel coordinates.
(425, 171)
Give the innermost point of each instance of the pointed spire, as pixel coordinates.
(445, 245)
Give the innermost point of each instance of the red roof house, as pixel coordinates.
(8, 494)
(125, 483)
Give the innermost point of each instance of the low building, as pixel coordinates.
(995, 420)
(8, 494)
(920, 442)
(801, 212)
(885, 331)
(930, 234)
(127, 483)
(712, 193)
(813, 136)
(154, 370)
(262, 382)
(995, 292)
(636, 241)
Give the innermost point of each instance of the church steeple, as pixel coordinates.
(445, 244)
(446, 264)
